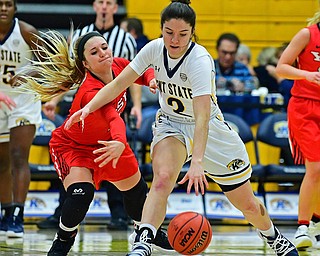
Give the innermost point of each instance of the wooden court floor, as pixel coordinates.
(95, 239)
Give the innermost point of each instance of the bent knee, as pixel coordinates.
(254, 207)
(81, 192)
(163, 180)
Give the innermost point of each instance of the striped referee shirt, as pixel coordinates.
(121, 42)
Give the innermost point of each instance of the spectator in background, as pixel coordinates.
(18, 125)
(123, 45)
(244, 56)
(266, 72)
(303, 124)
(135, 28)
(231, 75)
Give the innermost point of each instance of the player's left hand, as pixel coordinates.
(112, 150)
(153, 86)
(196, 178)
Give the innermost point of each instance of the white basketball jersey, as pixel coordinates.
(179, 80)
(14, 53)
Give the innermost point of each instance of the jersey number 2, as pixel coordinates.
(179, 107)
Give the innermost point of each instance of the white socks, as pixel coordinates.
(270, 232)
(153, 229)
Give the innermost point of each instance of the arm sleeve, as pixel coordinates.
(110, 116)
(116, 123)
(146, 77)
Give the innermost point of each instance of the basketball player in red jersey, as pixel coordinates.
(303, 123)
(123, 45)
(72, 151)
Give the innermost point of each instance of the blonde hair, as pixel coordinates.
(56, 72)
(315, 19)
(267, 56)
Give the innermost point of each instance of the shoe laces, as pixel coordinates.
(280, 244)
(141, 248)
(145, 236)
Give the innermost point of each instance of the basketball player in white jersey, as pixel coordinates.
(189, 125)
(17, 125)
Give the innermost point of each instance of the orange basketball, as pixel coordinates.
(189, 233)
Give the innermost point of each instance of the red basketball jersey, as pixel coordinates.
(309, 59)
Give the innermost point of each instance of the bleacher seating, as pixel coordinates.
(273, 131)
(144, 136)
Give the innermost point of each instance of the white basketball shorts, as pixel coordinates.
(27, 112)
(226, 160)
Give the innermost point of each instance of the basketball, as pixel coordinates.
(189, 233)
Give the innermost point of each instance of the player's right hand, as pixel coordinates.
(49, 109)
(196, 178)
(78, 116)
(7, 100)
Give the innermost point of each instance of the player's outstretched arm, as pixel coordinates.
(105, 95)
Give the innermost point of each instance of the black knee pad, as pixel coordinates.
(76, 205)
(134, 199)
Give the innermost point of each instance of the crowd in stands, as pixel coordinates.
(236, 75)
